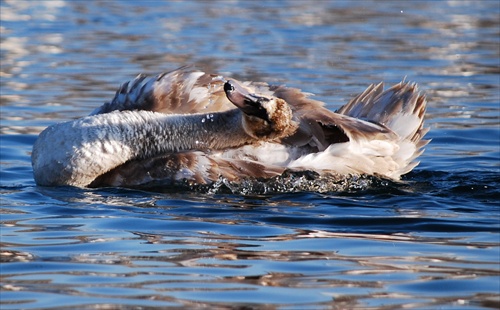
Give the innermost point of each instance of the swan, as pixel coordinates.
(190, 126)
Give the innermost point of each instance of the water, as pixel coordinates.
(430, 243)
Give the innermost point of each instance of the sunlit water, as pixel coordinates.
(432, 242)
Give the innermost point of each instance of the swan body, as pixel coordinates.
(189, 126)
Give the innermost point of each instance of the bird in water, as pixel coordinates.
(191, 127)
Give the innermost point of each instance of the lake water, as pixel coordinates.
(433, 242)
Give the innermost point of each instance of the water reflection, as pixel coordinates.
(428, 243)
(182, 268)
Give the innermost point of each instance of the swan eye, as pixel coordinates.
(228, 87)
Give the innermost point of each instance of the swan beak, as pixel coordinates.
(248, 103)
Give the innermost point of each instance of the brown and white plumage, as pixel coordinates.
(267, 131)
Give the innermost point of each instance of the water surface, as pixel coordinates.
(432, 242)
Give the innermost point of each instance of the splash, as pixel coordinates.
(288, 182)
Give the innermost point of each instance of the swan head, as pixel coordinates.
(264, 117)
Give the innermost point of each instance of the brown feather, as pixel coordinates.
(367, 117)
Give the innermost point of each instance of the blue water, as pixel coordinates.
(432, 242)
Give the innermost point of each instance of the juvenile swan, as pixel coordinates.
(187, 125)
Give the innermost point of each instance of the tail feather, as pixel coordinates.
(400, 108)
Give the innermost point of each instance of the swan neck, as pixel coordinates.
(177, 133)
(77, 152)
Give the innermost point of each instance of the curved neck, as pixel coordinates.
(76, 152)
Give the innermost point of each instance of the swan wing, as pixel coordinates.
(377, 132)
(182, 91)
(400, 108)
(320, 127)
